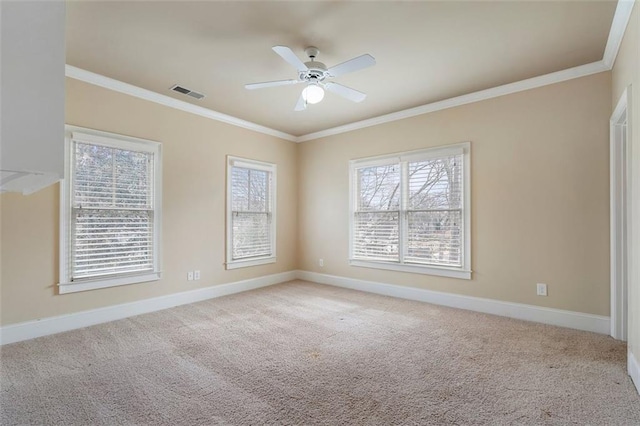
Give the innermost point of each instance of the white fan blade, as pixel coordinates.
(271, 84)
(301, 105)
(288, 55)
(352, 65)
(345, 92)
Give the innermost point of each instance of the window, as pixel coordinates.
(110, 211)
(251, 225)
(410, 212)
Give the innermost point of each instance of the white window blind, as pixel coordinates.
(377, 216)
(251, 225)
(434, 212)
(411, 210)
(112, 212)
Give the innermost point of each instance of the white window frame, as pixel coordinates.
(255, 165)
(463, 272)
(66, 285)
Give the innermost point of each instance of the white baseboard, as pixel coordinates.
(633, 369)
(46, 326)
(51, 325)
(570, 319)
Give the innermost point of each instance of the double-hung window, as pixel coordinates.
(251, 224)
(411, 212)
(110, 211)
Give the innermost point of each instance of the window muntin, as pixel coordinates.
(110, 224)
(250, 213)
(411, 211)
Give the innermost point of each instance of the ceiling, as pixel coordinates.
(425, 51)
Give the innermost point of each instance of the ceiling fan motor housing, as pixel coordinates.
(317, 71)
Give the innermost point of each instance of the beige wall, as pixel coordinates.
(626, 71)
(539, 189)
(194, 150)
(539, 199)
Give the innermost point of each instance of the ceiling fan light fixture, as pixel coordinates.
(314, 74)
(313, 93)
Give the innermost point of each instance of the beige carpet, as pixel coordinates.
(304, 354)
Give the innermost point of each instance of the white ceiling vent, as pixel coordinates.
(188, 92)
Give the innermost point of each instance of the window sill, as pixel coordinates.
(250, 262)
(414, 269)
(73, 287)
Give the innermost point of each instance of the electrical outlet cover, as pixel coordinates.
(541, 289)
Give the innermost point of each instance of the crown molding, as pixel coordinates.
(519, 86)
(616, 33)
(138, 92)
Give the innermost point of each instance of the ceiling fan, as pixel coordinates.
(314, 74)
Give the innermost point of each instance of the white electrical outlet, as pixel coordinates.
(190, 275)
(541, 289)
(321, 262)
(196, 275)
